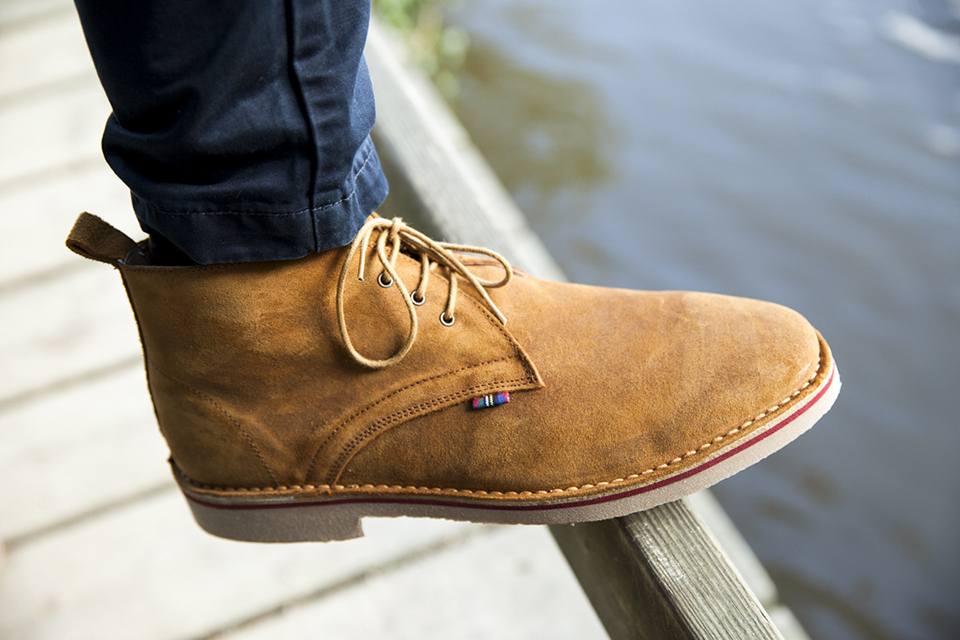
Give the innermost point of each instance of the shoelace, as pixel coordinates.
(398, 234)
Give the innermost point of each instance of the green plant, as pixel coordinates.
(437, 48)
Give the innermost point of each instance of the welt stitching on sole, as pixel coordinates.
(472, 492)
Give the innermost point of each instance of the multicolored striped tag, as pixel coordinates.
(491, 400)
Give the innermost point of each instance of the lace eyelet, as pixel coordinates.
(387, 284)
(444, 321)
(418, 301)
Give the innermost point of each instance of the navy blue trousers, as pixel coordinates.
(240, 126)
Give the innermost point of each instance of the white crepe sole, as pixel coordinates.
(290, 519)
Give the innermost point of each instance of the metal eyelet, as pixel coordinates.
(444, 321)
(418, 301)
(387, 284)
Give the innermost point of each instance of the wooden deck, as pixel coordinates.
(99, 543)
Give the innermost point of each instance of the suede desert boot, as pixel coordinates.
(405, 377)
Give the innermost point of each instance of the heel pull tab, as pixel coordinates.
(94, 239)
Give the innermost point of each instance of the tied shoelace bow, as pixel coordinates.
(397, 234)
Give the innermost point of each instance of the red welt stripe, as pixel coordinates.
(521, 507)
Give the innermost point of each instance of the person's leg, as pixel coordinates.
(240, 126)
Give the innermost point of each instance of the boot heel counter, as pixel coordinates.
(207, 444)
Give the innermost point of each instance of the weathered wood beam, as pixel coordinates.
(656, 574)
(660, 574)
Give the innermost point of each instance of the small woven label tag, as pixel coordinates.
(491, 400)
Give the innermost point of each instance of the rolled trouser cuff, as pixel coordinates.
(209, 236)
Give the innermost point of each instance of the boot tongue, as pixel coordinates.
(94, 239)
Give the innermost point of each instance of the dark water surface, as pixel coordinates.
(802, 152)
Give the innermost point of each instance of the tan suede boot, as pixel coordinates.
(397, 377)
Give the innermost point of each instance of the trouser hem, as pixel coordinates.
(211, 236)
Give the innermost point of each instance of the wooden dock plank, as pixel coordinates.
(510, 585)
(54, 130)
(147, 572)
(52, 113)
(16, 12)
(37, 218)
(40, 53)
(78, 450)
(63, 328)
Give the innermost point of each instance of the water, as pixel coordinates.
(802, 152)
